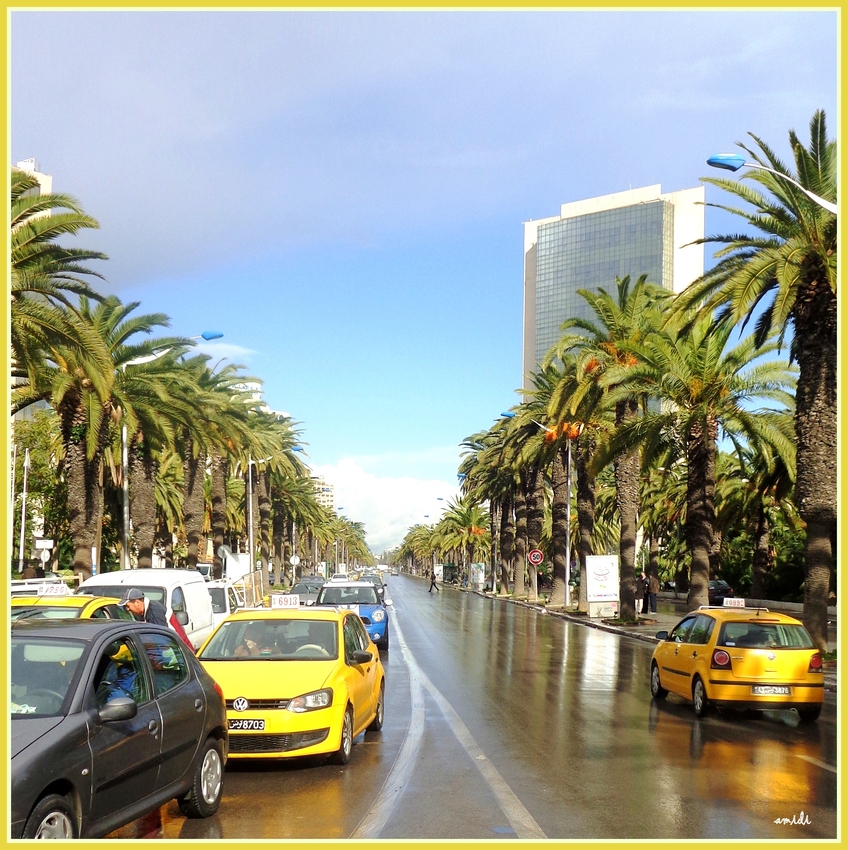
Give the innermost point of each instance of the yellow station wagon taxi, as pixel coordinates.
(54, 607)
(739, 658)
(297, 681)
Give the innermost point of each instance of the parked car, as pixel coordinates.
(307, 588)
(110, 720)
(226, 598)
(739, 658)
(182, 592)
(361, 596)
(393, 571)
(73, 606)
(718, 591)
(298, 681)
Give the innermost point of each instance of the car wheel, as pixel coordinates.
(207, 786)
(377, 722)
(51, 818)
(808, 715)
(657, 690)
(699, 697)
(342, 755)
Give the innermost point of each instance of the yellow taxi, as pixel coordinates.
(297, 681)
(60, 607)
(733, 657)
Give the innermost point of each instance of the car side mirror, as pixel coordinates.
(662, 635)
(310, 601)
(361, 656)
(182, 617)
(389, 602)
(119, 708)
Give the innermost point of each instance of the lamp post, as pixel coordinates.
(125, 484)
(735, 161)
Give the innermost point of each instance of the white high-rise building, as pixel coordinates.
(592, 242)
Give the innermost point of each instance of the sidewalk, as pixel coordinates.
(646, 629)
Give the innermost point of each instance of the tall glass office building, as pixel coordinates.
(592, 242)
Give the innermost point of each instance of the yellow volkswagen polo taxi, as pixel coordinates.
(297, 681)
(739, 658)
(57, 607)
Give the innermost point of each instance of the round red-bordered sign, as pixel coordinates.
(535, 557)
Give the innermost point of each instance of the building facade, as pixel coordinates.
(593, 242)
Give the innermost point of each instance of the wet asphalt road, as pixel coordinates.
(503, 723)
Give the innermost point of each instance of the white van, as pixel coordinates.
(226, 598)
(182, 592)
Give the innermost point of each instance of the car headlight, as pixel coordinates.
(311, 702)
(378, 616)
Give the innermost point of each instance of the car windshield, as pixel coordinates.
(765, 635)
(42, 670)
(273, 640)
(116, 591)
(45, 612)
(348, 596)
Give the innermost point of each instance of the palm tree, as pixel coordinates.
(704, 387)
(787, 268)
(623, 320)
(44, 275)
(463, 528)
(87, 401)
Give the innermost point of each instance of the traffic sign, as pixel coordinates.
(43, 543)
(535, 557)
(45, 556)
(294, 560)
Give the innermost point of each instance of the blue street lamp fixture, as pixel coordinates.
(735, 161)
(207, 335)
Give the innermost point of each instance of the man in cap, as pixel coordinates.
(151, 611)
(143, 608)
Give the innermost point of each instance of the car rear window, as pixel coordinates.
(765, 635)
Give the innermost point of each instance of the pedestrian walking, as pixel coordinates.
(151, 611)
(641, 592)
(433, 582)
(653, 590)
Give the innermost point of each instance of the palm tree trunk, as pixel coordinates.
(760, 560)
(560, 508)
(585, 448)
(278, 530)
(627, 501)
(700, 508)
(816, 434)
(194, 503)
(142, 490)
(520, 559)
(535, 520)
(495, 508)
(507, 542)
(263, 496)
(219, 510)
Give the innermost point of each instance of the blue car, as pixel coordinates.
(363, 598)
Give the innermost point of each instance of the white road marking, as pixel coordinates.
(521, 821)
(822, 764)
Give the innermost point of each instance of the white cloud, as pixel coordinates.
(387, 507)
(225, 351)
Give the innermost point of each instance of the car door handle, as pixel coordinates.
(153, 728)
(198, 704)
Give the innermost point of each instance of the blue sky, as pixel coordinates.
(342, 193)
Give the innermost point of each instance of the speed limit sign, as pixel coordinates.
(535, 557)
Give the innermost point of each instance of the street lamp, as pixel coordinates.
(735, 161)
(125, 484)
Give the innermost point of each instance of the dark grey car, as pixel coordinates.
(110, 720)
(307, 588)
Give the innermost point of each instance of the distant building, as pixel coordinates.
(591, 242)
(325, 493)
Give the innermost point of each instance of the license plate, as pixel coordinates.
(771, 690)
(243, 725)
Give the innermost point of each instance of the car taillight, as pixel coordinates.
(816, 663)
(721, 660)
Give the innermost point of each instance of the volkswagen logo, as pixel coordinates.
(241, 704)
(771, 656)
